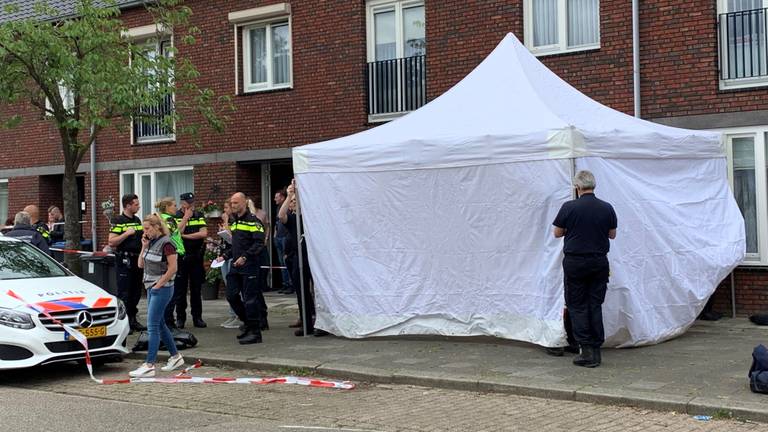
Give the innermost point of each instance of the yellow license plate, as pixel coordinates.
(91, 332)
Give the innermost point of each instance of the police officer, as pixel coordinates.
(167, 209)
(125, 240)
(248, 241)
(23, 230)
(587, 224)
(191, 274)
(40, 226)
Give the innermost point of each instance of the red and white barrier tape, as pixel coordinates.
(79, 252)
(183, 376)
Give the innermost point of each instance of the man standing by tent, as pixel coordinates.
(587, 224)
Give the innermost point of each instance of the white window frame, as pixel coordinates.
(143, 37)
(67, 97)
(758, 133)
(5, 182)
(248, 86)
(375, 6)
(562, 31)
(735, 83)
(153, 180)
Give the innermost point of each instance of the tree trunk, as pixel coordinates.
(72, 229)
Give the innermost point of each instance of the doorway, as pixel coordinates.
(276, 175)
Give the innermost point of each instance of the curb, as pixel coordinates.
(601, 396)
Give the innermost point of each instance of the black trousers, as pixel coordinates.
(190, 274)
(245, 297)
(308, 315)
(129, 282)
(586, 281)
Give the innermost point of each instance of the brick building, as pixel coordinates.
(309, 70)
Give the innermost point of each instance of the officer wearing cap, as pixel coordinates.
(190, 273)
(125, 240)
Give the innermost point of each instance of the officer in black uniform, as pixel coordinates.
(37, 224)
(190, 273)
(125, 240)
(587, 224)
(248, 242)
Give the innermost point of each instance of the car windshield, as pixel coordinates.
(19, 260)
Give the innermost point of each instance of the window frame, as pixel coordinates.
(4, 181)
(244, 33)
(157, 39)
(734, 83)
(758, 133)
(152, 172)
(374, 6)
(562, 31)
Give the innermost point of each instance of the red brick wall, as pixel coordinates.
(751, 292)
(22, 191)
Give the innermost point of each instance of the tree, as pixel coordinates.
(85, 73)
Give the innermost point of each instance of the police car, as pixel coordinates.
(35, 290)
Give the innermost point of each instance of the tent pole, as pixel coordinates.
(573, 175)
(733, 295)
(301, 266)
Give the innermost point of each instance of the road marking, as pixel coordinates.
(328, 429)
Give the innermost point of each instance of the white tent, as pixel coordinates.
(440, 222)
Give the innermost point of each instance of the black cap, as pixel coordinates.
(188, 197)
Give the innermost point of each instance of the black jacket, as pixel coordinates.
(247, 241)
(30, 235)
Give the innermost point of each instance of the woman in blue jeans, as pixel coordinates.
(158, 258)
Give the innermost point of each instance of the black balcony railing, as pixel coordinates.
(743, 44)
(152, 122)
(397, 85)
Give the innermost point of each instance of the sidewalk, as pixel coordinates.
(701, 372)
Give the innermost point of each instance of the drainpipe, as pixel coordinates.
(636, 55)
(94, 240)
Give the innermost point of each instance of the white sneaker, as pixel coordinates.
(235, 323)
(228, 322)
(144, 371)
(173, 363)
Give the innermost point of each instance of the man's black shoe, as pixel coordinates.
(586, 358)
(180, 323)
(320, 333)
(250, 338)
(597, 356)
(557, 352)
(244, 331)
(199, 323)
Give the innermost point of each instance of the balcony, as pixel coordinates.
(396, 87)
(743, 49)
(151, 123)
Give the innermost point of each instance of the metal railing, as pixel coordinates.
(397, 85)
(151, 123)
(742, 44)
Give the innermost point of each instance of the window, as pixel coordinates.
(558, 26)
(397, 51)
(3, 201)
(748, 171)
(153, 185)
(267, 59)
(66, 96)
(742, 40)
(154, 123)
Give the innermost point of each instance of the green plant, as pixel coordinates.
(213, 275)
(722, 414)
(210, 207)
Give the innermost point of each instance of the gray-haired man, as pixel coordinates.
(587, 224)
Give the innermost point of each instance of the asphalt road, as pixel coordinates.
(63, 398)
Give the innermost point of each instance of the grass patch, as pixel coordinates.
(301, 371)
(722, 414)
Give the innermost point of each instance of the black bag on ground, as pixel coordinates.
(759, 319)
(183, 340)
(758, 373)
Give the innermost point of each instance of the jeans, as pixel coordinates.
(157, 300)
(285, 273)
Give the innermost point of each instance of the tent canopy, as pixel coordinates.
(440, 222)
(510, 108)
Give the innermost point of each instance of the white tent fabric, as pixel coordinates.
(440, 222)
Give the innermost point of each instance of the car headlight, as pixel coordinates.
(121, 310)
(19, 320)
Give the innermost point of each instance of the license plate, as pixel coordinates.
(90, 332)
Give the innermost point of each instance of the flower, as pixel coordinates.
(210, 207)
(109, 204)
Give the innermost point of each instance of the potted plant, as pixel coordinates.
(211, 210)
(213, 276)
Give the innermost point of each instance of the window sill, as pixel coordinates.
(266, 90)
(155, 140)
(383, 118)
(558, 51)
(743, 83)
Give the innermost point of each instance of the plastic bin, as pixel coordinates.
(100, 271)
